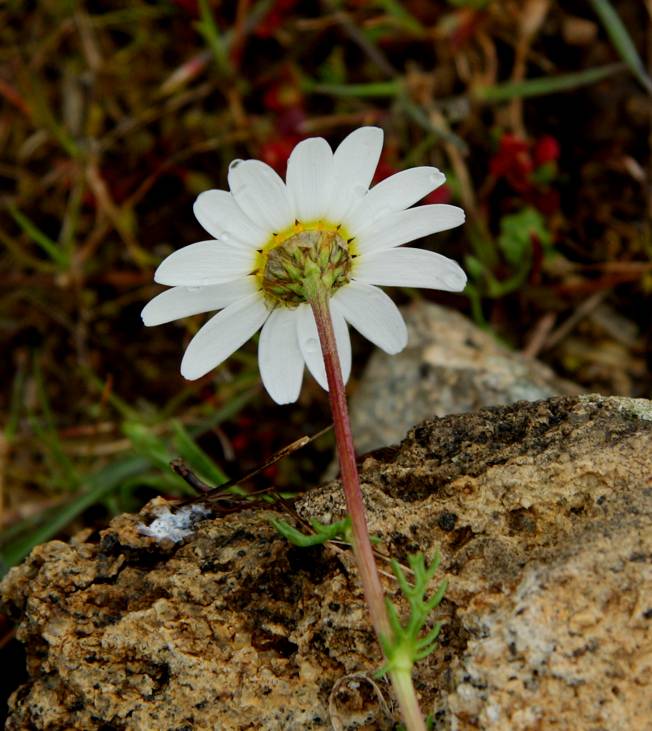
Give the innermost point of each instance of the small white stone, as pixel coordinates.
(174, 526)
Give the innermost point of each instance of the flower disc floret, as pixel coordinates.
(319, 254)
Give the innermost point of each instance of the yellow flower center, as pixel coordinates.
(304, 250)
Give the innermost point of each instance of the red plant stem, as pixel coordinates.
(373, 589)
(319, 301)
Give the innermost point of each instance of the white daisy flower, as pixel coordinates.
(266, 233)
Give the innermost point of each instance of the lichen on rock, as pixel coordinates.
(543, 515)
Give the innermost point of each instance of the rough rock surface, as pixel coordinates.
(450, 366)
(542, 512)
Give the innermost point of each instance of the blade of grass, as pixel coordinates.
(216, 42)
(46, 430)
(373, 89)
(545, 84)
(14, 530)
(196, 457)
(63, 474)
(99, 485)
(489, 94)
(622, 41)
(420, 116)
(404, 18)
(125, 473)
(417, 154)
(364, 40)
(161, 482)
(130, 15)
(44, 116)
(160, 454)
(50, 247)
(71, 218)
(228, 411)
(147, 444)
(17, 250)
(120, 405)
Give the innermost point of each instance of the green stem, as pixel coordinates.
(407, 699)
(318, 298)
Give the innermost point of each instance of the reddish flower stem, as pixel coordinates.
(318, 299)
(348, 468)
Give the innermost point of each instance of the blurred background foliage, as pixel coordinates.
(115, 115)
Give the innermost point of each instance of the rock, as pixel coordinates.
(450, 366)
(543, 515)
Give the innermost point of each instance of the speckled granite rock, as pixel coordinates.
(542, 512)
(450, 366)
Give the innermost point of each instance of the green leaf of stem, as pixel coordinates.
(406, 646)
(322, 532)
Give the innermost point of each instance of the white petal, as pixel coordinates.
(223, 334)
(220, 215)
(311, 348)
(206, 262)
(393, 194)
(261, 194)
(354, 164)
(406, 267)
(279, 356)
(373, 314)
(309, 178)
(404, 226)
(185, 301)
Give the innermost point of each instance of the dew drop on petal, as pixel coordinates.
(312, 345)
